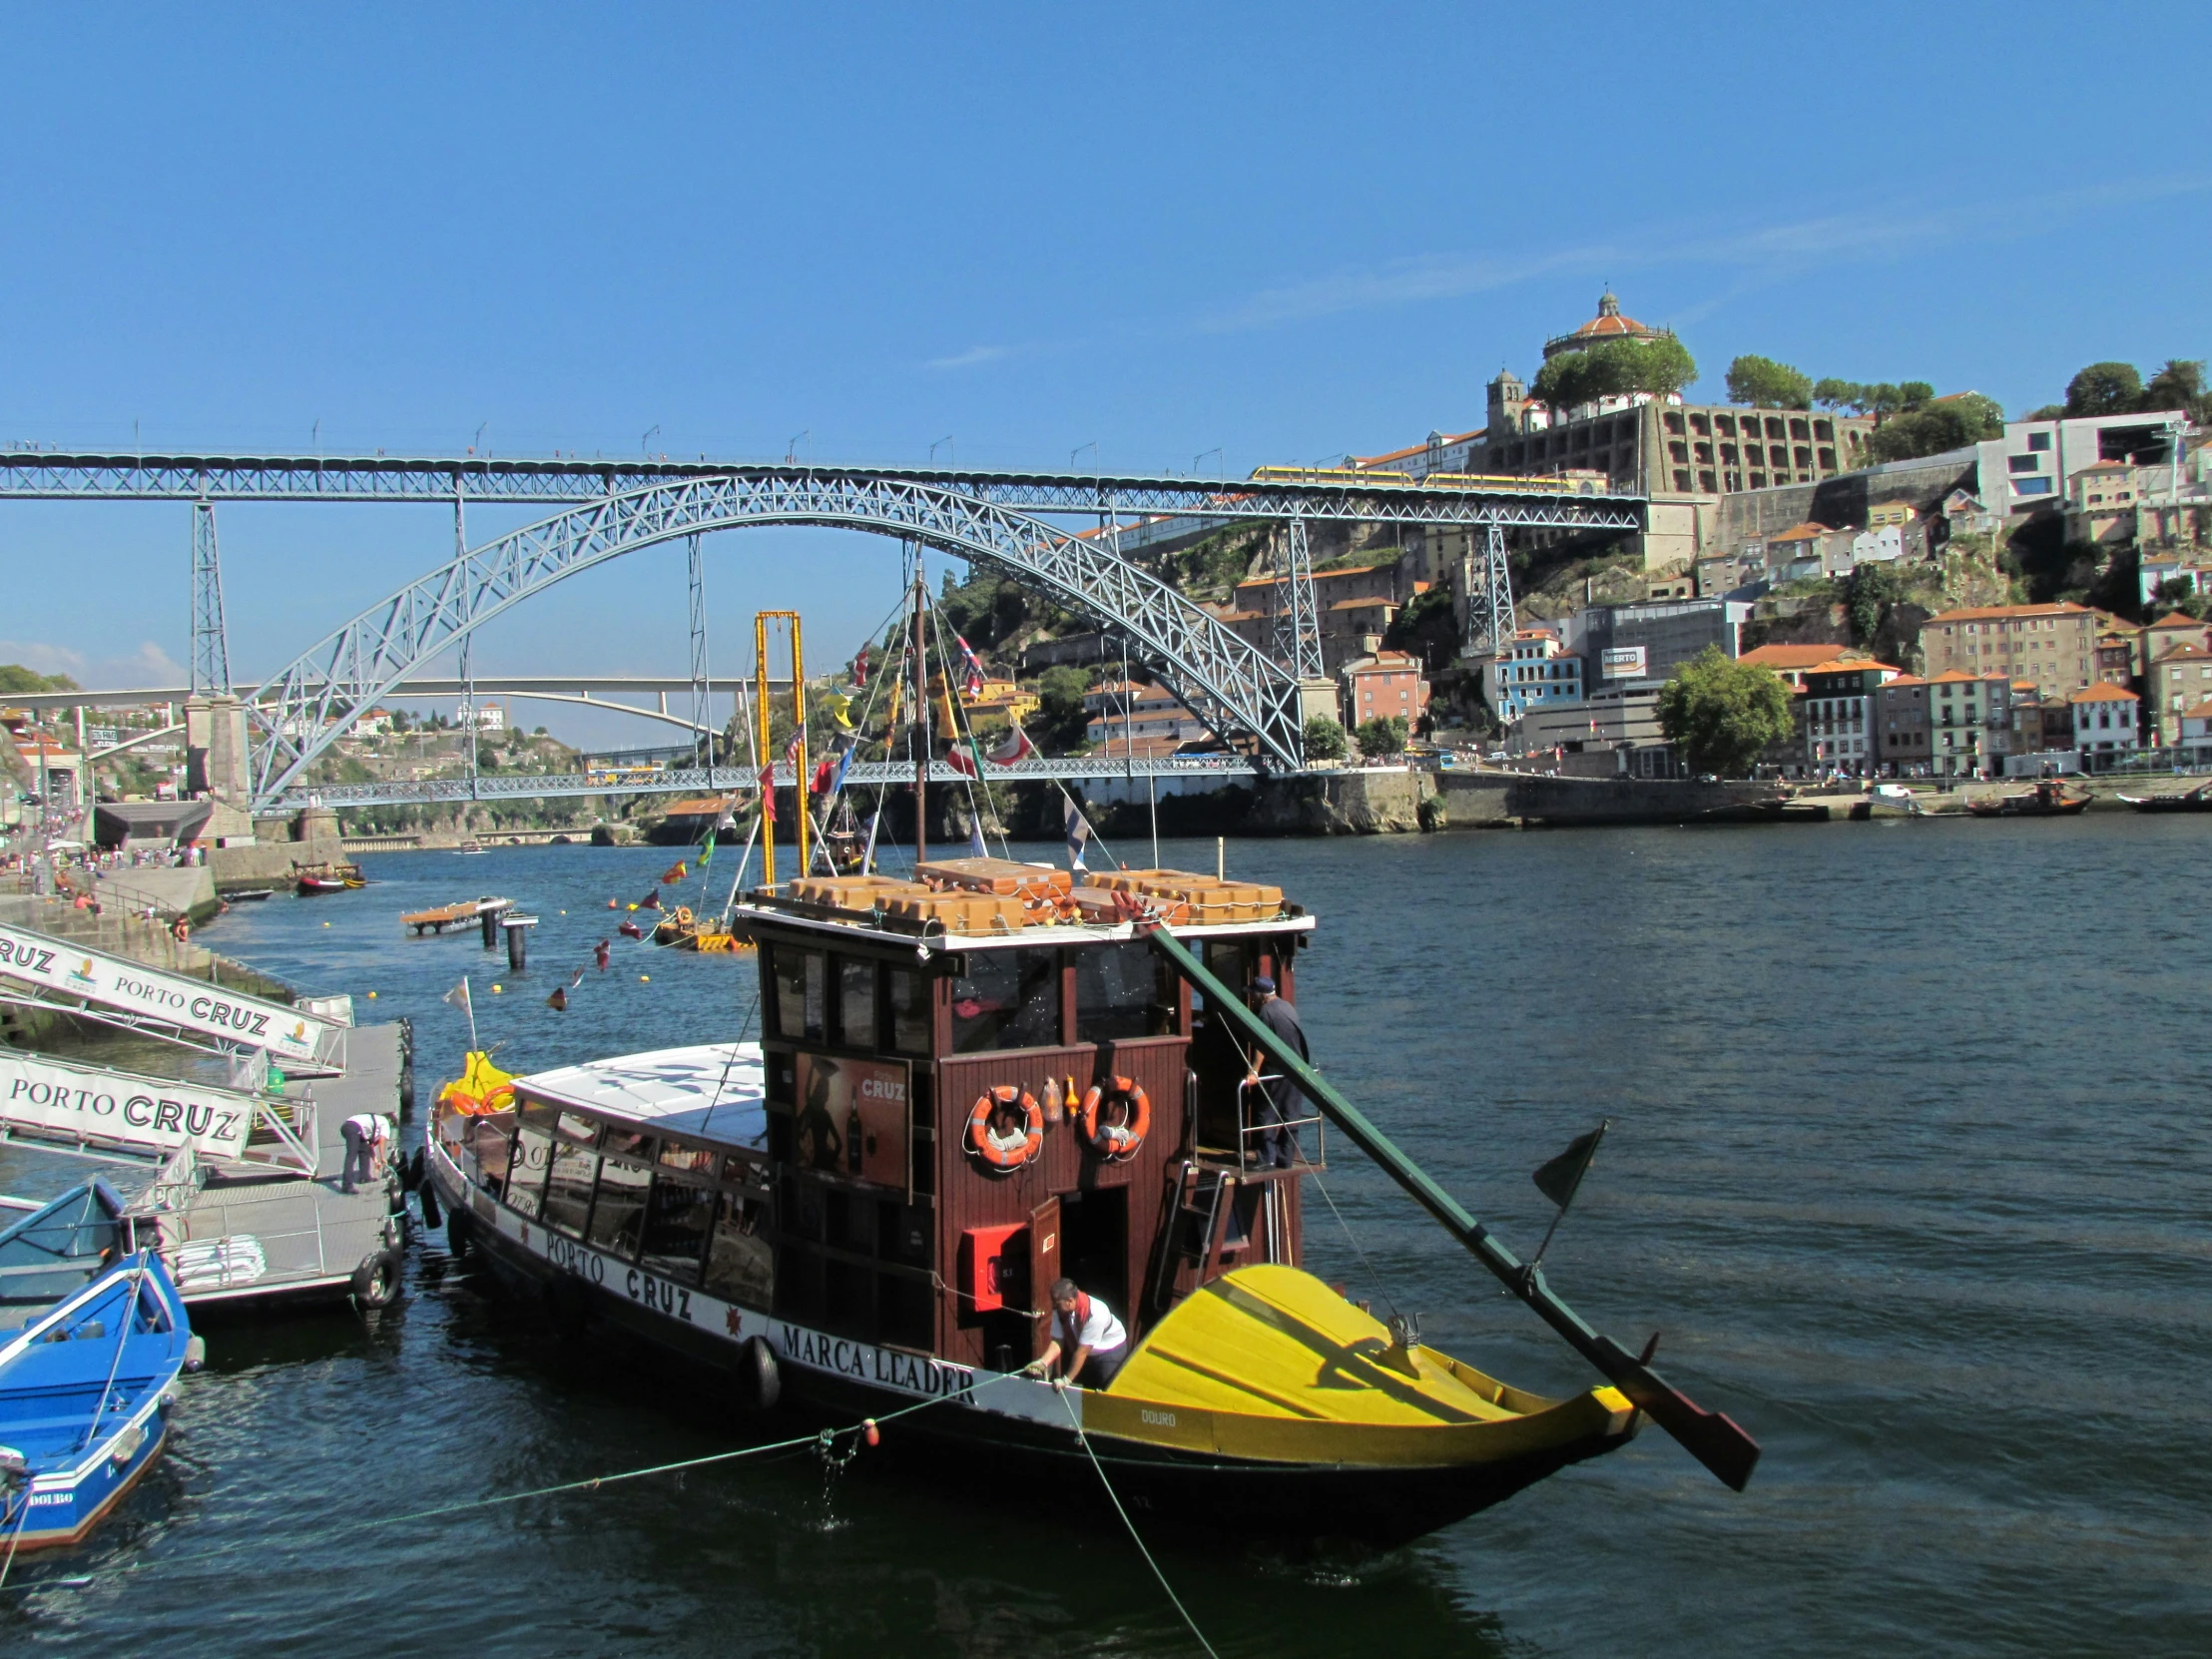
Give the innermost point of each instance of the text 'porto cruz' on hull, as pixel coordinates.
(978, 1085)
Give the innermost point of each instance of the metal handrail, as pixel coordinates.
(1247, 1128)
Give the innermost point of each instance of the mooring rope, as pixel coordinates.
(1084, 1440)
(821, 1439)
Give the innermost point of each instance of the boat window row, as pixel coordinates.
(690, 1214)
(1000, 999)
(854, 1000)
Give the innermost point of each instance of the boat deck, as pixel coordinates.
(248, 1234)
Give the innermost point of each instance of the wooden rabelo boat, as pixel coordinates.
(966, 1090)
(681, 929)
(2048, 798)
(2198, 800)
(310, 879)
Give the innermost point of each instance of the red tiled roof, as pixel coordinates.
(1414, 449)
(1795, 656)
(2104, 691)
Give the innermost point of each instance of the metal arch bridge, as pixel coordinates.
(993, 518)
(493, 788)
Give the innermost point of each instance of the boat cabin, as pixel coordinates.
(964, 1089)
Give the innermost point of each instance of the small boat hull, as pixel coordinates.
(86, 1390)
(2192, 800)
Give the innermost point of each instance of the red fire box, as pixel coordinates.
(988, 1269)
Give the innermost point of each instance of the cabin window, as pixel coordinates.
(568, 1188)
(857, 1004)
(618, 1216)
(739, 1266)
(741, 1171)
(1006, 1000)
(693, 1159)
(910, 1013)
(1118, 993)
(677, 1222)
(533, 1156)
(579, 1128)
(628, 1142)
(1227, 961)
(492, 1147)
(801, 979)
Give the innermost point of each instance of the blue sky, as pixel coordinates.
(1283, 232)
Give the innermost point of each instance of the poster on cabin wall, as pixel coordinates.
(853, 1119)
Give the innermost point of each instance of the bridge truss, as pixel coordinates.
(497, 786)
(1000, 519)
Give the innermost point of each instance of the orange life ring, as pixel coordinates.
(1117, 1142)
(1000, 1154)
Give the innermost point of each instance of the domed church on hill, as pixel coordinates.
(1607, 326)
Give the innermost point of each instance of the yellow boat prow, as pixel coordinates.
(1269, 1364)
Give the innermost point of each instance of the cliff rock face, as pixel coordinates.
(1349, 804)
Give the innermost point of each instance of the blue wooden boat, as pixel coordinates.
(92, 1340)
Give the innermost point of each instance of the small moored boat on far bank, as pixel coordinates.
(311, 880)
(2048, 798)
(2198, 800)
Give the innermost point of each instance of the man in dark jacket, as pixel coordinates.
(1277, 1143)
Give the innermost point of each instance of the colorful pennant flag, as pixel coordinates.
(1078, 832)
(1015, 747)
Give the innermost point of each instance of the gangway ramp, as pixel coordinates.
(61, 971)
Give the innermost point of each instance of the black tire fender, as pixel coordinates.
(376, 1281)
(760, 1380)
(461, 1234)
(427, 1196)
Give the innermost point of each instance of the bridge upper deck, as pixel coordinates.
(1272, 492)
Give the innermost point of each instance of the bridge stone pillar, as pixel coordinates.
(1318, 697)
(215, 748)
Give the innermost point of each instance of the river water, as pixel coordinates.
(1908, 1167)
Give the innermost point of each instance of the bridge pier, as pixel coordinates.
(216, 753)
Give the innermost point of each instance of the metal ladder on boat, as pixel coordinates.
(1198, 1227)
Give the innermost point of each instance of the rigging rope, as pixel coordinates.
(1084, 1440)
(824, 1439)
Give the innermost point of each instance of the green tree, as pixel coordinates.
(1767, 385)
(2179, 384)
(1722, 714)
(14, 677)
(1913, 393)
(2104, 390)
(1832, 393)
(1617, 369)
(1935, 428)
(1061, 717)
(1325, 739)
(1869, 593)
(1383, 735)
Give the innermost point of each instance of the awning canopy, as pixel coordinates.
(116, 821)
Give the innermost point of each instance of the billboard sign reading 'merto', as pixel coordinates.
(1623, 662)
(52, 1096)
(194, 1004)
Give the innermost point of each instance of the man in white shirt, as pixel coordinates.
(366, 1136)
(1085, 1330)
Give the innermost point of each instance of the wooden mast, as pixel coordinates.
(922, 724)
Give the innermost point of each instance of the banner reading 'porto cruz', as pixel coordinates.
(54, 1096)
(117, 982)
